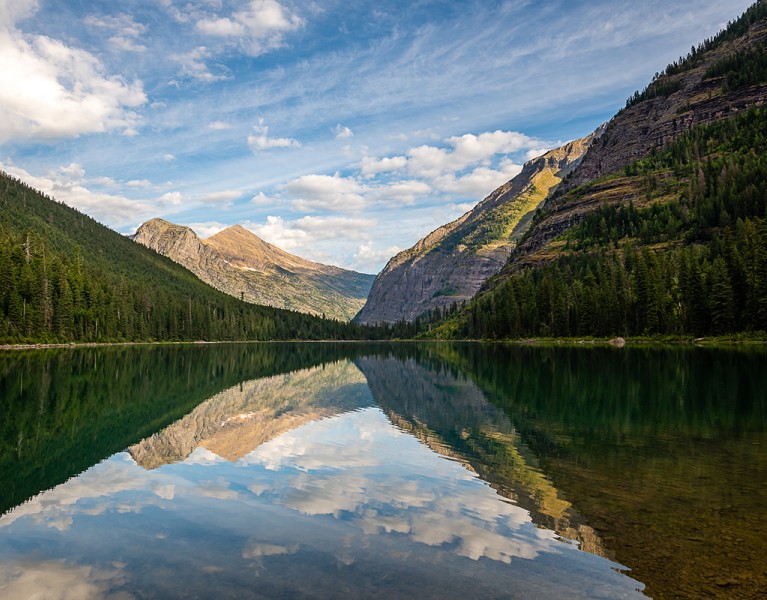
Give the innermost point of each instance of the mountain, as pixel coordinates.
(661, 227)
(450, 264)
(241, 264)
(64, 278)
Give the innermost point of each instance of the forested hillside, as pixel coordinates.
(64, 277)
(687, 254)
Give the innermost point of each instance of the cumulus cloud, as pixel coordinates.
(49, 89)
(303, 234)
(325, 192)
(219, 125)
(260, 141)
(342, 132)
(370, 167)
(469, 149)
(169, 157)
(398, 193)
(283, 234)
(259, 27)
(171, 199)
(479, 182)
(368, 254)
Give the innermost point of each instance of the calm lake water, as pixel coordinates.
(385, 471)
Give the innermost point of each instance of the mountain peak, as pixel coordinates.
(239, 263)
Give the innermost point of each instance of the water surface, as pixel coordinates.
(325, 470)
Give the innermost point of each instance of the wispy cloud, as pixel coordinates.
(259, 140)
(125, 31)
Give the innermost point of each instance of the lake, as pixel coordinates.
(382, 471)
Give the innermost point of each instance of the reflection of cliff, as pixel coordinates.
(452, 416)
(234, 422)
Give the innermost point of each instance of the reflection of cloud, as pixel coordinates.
(203, 457)
(260, 549)
(360, 468)
(57, 580)
(93, 493)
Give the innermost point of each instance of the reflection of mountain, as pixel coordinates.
(237, 420)
(452, 416)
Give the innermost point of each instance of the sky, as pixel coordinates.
(340, 131)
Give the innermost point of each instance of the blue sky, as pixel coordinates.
(339, 131)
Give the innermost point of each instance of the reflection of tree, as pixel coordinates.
(451, 415)
(662, 450)
(65, 410)
(234, 422)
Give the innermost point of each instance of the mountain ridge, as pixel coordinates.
(239, 263)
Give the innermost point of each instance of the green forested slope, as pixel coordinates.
(687, 255)
(64, 277)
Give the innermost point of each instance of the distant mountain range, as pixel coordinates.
(451, 263)
(241, 264)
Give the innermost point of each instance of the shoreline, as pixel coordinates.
(616, 342)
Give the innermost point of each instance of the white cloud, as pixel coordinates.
(194, 66)
(469, 149)
(169, 157)
(219, 125)
(257, 28)
(205, 230)
(325, 192)
(262, 199)
(342, 132)
(399, 193)
(126, 31)
(261, 141)
(139, 183)
(367, 254)
(479, 182)
(370, 167)
(224, 197)
(536, 152)
(51, 90)
(303, 235)
(281, 233)
(171, 199)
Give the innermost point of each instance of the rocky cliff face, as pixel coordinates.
(451, 263)
(633, 134)
(635, 131)
(241, 264)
